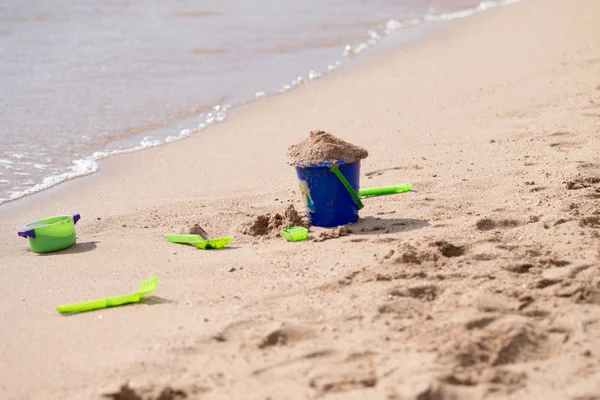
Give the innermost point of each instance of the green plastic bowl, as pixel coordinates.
(51, 234)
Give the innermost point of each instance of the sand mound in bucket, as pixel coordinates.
(322, 146)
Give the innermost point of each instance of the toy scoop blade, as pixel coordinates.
(217, 243)
(148, 286)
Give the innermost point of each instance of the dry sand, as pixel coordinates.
(482, 283)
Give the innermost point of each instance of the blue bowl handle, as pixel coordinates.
(27, 233)
(76, 217)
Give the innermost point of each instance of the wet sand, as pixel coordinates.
(481, 283)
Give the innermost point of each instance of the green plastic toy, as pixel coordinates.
(51, 234)
(184, 239)
(378, 191)
(199, 241)
(212, 244)
(349, 188)
(294, 233)
(146, 287)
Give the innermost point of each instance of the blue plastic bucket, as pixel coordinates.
(328, 203)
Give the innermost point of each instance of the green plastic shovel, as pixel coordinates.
(211, 244)
(199, 241)
(146, 287)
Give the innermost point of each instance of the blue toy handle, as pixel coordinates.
(76, 217)
(27, 233)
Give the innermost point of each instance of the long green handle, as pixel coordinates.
(99, 303)
(349, 187)
(378, 191)
(176, 238)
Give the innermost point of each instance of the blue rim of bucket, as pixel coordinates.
(321, 164)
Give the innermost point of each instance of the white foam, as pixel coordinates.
(149, 142)
(393, 25)
(79, 168)
(312, 75)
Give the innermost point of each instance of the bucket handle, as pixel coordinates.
(27, 233)
(349, 188)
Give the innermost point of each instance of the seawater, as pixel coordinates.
(81, 80)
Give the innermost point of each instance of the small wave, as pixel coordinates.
(79, 168)
(393, 25)
(483, 6)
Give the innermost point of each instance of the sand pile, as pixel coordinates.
(267, 224)
(196, 229)
(322, 146)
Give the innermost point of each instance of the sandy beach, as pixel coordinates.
(481, 283)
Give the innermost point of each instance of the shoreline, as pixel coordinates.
(483, 283)
(392, 36)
